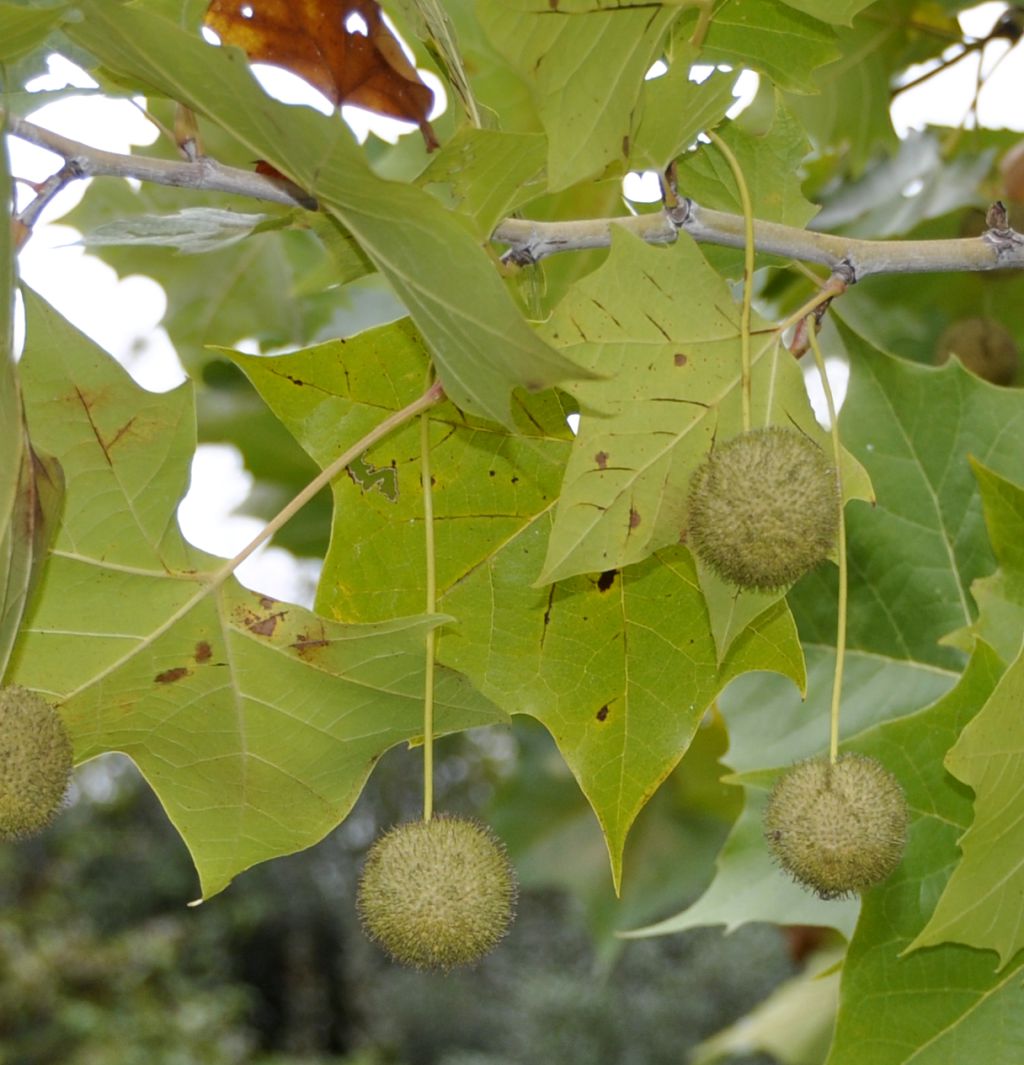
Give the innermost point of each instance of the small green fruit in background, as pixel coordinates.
(35, 763)
(984, 346)
(764, 508)
(437, 894)
(837, 829)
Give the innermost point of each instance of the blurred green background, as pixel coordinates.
(103, 963)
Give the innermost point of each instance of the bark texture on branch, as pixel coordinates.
(999, 248)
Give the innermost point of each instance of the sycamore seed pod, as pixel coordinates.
(837, 828)
(764, 508)
(437, 894)
(35, 763)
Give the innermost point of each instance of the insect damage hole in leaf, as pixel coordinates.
(346, 51)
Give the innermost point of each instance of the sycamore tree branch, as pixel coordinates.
(203, 173)
(999, 248)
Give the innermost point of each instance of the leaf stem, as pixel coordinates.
(748, 271)
(837, 682)
(431, 608)
(219, 576)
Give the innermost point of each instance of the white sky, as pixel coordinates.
(123, 316)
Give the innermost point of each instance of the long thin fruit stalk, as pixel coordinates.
(748, 273)
(431, 608)
(837, 682)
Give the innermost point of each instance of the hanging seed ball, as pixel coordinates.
(437, 894)
(35, 763)
(764, 508)
(837, 829)
(984, 346)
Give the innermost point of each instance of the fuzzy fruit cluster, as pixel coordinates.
(437, 894)
(764, 508)
(35, 763)
(837, 828)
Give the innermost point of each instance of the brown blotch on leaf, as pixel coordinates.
(606, 580)
(601, 458)
(310, 641)
(203, 652)
(602, 713)
(264, 626)
(267, 603)
(169, 676)
(341, 47)
(634, 517)
(679, 359)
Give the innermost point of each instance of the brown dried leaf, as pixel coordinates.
(312, 38)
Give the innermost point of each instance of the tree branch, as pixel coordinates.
(999, 248)
(203, 173)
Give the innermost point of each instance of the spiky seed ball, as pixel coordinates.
(837, 829)
(764, 508)
(986, 347)
(35, 763)
(437, 894)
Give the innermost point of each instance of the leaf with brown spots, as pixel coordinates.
(343, 49)
(664, 330)
(255, 722)
(636, 641)
(169, 676)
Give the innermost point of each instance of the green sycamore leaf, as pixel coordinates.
(12, 436)
(31, 483)
(934, 1006)
(770, 728)
(772, 38)
(256, 722)
(835, 11)
(23, 29)
(870, 52)
(770, 157)
(1000, 597)
(482, 344)
(489, 483)
(619, 667)
(433, 25)
(662, 329)
(586, 71)
(676, 110)
(486, 174)
(914, 556)
(980, 906)
(875, 206)
(25, 535)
